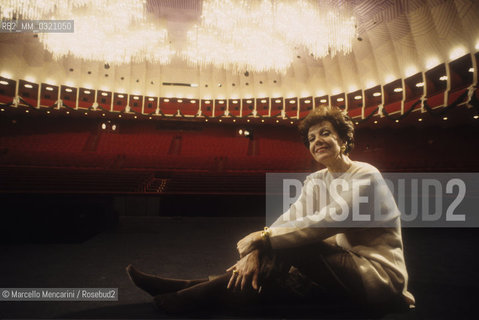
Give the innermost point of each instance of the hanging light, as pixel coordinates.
(113, 31)
(256, 36)
(264, 35)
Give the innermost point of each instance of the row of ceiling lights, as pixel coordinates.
(358, 97)
(27, 85)
(195, 85)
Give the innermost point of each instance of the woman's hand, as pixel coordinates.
(249, 243)
(245, 271)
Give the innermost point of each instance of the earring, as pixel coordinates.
(343, 148)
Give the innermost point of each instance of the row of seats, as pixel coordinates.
(113, 143)
(194, 144)
(48, 142)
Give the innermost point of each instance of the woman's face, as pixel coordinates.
(324, 143)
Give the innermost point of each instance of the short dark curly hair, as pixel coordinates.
(341, 122)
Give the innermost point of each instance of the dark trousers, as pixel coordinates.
(320, 272)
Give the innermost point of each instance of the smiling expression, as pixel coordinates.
(324, 143)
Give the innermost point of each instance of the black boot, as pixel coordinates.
(205, 297)
(155, 285)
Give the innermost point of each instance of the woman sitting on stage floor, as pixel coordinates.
(309, 254)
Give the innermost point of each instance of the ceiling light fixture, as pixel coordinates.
(264, 35)
(257, 36)
(96, 36)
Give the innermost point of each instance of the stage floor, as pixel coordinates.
(442, 265)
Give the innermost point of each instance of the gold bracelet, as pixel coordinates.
(265, 233)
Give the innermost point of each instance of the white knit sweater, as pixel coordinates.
(377, 247)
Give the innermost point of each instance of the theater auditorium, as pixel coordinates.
(144, 132)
